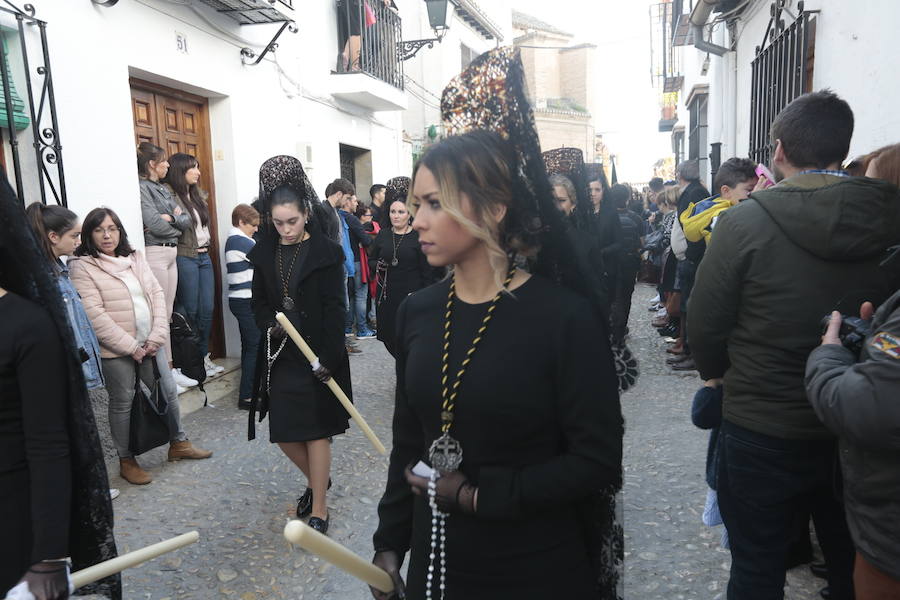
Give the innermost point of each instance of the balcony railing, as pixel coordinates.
(368, 40)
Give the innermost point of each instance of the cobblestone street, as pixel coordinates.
(241, 499)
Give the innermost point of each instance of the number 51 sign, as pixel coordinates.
(181, 42)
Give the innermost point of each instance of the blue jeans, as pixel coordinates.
(359, 291)
(194, 298)
(250, 337)
(348, 316)
(763, 484)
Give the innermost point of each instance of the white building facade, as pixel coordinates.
(173, 72)
(755, 56)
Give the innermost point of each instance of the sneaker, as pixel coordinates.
(179, 389)
(348, 334)
(113, 493)
(182, 379)
(211, 367)
(365, 334)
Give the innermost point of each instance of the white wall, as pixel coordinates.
(254, 112)
(853, 57)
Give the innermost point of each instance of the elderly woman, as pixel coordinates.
(127, 308)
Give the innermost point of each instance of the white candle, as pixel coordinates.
(132, 559)
(331, 383)
(301, 534)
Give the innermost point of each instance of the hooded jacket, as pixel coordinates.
(777, 264)
(858, 402)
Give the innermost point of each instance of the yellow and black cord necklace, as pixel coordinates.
(446, 453)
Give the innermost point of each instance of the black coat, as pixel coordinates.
(317, 289)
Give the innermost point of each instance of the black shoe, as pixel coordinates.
(320, 525)
(685, 365)
(819, 570)
(670, 330)
(244, 404)
(304, 502)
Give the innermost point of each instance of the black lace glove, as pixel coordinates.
(390, 562)
(453, 491)
(48, 580)
(277, 332)
(322, 373)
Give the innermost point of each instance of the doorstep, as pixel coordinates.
(222, 389)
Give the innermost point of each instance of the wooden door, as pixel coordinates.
(179, 122)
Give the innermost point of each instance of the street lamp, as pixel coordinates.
(438, 19)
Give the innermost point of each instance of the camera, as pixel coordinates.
(853, 332)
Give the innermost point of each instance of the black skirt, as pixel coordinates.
(300, 408)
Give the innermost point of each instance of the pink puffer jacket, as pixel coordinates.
(108, 303)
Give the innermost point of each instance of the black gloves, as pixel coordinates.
(322, 373)
(390, 562)
(453, 491)
(48, 580)
(277, 332)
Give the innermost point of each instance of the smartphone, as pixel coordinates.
(763, 171)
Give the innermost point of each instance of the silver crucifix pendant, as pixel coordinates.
(445, 454)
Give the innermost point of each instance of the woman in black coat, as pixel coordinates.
(299, 271)
(397, 259)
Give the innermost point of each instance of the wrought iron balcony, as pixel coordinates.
(369, 69)
(369, 35)
(254, 12)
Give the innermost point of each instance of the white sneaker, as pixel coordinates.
(655, 300)
(113, 493)
(182, 379)
(211, 367)
(180, 390)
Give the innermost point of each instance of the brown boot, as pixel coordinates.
(179, 450)
(132, 472)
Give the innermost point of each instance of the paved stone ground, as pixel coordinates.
(241, 499)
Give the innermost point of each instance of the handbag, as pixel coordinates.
(148, 428)
(654, 241)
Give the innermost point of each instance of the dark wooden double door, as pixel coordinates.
(179, 122)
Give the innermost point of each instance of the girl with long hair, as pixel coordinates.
(196, 279)
(164, 222)
(127, 309)
(298, 270)
(520, 457)
(398, 261)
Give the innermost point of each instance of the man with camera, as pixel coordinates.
(777, 263)
(857, 399)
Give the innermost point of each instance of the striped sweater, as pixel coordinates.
(240, 271)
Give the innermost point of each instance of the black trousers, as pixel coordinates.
(626, 275)
(764, 484)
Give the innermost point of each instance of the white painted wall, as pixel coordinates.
(853, 57)
(255, 112)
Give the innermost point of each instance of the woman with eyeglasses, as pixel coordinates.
(127, 309)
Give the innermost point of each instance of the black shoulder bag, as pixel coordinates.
(148, 428)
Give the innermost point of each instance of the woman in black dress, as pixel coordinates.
(54, 491)
(398, 260)
(299, 271)
(490, 368)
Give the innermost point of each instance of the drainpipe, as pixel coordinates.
(699, 16)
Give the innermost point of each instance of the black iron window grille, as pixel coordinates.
(698, 126)
(369, 36)
(781, 72)
(26, 60)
